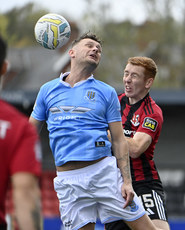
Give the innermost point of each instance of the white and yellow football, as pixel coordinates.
(52, 31)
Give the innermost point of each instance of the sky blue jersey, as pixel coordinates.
(77, 118)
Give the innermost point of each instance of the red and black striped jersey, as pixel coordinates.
(143, 116)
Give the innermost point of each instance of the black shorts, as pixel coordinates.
(153, 202)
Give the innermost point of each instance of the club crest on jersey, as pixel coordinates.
(135, 120)
(133, 207)
(150, 123)
(90, 95)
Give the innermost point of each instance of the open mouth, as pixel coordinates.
(93, 56)
(128, 89)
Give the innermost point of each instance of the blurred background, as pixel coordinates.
(153, 28)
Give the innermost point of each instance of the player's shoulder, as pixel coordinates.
(152, 109)
(51, 83)
(157, 108)
(121, 96)
(49, 87)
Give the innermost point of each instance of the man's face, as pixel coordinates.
(87, 51)
(136, 85)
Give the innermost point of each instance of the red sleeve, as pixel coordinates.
(27, 152)
(151, 124)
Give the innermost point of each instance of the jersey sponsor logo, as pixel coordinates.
(4, 126)
(69, 109)
(90, 95)
(62, 118)
(129, 132)
(150, 123)
(135, 120)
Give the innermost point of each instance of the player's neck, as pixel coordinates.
(134, 100)
(77, 76)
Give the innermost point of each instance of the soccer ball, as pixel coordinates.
(52, 31)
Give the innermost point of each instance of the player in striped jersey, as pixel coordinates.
(142, 121)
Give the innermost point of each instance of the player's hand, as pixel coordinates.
(127, 193)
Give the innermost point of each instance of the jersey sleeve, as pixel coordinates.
(27, 152)
(39, 110)
(151, 124)
(113, 110)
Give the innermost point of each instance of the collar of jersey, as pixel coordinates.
(77, 84)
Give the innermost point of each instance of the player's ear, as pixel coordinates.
(149, 82)
(71, 53)
(4, 68)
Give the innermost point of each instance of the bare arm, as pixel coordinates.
(138, 144)
(38, 124)
(120, 149)
(26, 198)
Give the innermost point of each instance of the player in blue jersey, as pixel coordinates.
(79, 110)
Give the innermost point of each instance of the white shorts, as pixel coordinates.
(94, 192)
